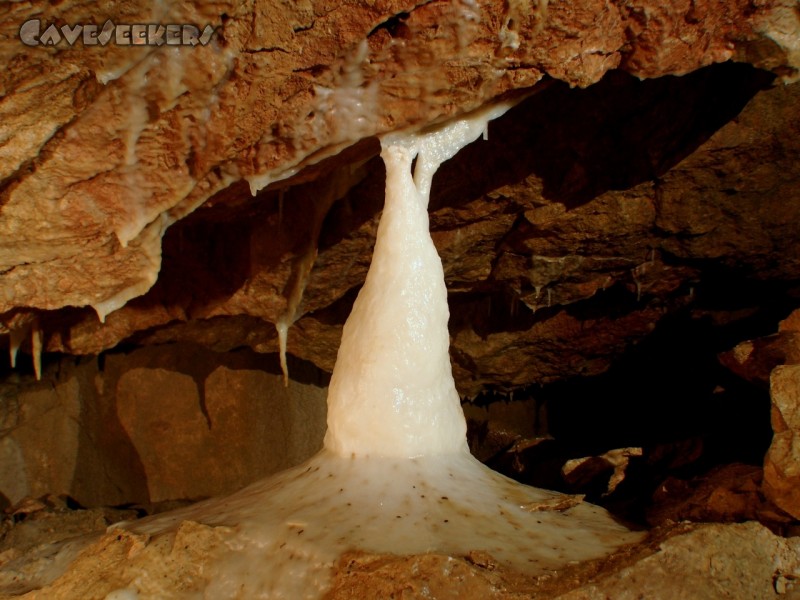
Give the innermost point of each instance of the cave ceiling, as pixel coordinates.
(203, 194)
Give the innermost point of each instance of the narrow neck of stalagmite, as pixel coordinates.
(392, 391)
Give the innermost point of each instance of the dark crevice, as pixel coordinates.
(612, 135)
(394, 25)
(668, 395)
(302, 28)
(266, 50)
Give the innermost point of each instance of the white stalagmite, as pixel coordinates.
(395, 475)
(392, 391)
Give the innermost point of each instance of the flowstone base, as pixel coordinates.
(283, 537)
(684, 560)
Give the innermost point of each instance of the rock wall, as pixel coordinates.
(155, 425)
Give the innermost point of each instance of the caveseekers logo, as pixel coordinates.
(35, 33)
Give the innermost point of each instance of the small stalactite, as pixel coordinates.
(16, 337)
(640, 270)
(22, 327)
(334, 189)
(37, 336)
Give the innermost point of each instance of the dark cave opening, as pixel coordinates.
(668, 396)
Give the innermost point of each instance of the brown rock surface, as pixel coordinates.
(755, 359)
(125, 142)
(782, 463)
(157, 424)
(717, 561)
(774, 360)
(727, 494)
(40, 439)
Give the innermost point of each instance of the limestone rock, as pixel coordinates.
(731, 493)
(607, 470)
(180, 426)
(106, 153)
(712, 562)
(782, 463)
(775, 360)
(52, 522)
(426, 576)
(754, 360)
(40, 440)
(141, 427)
